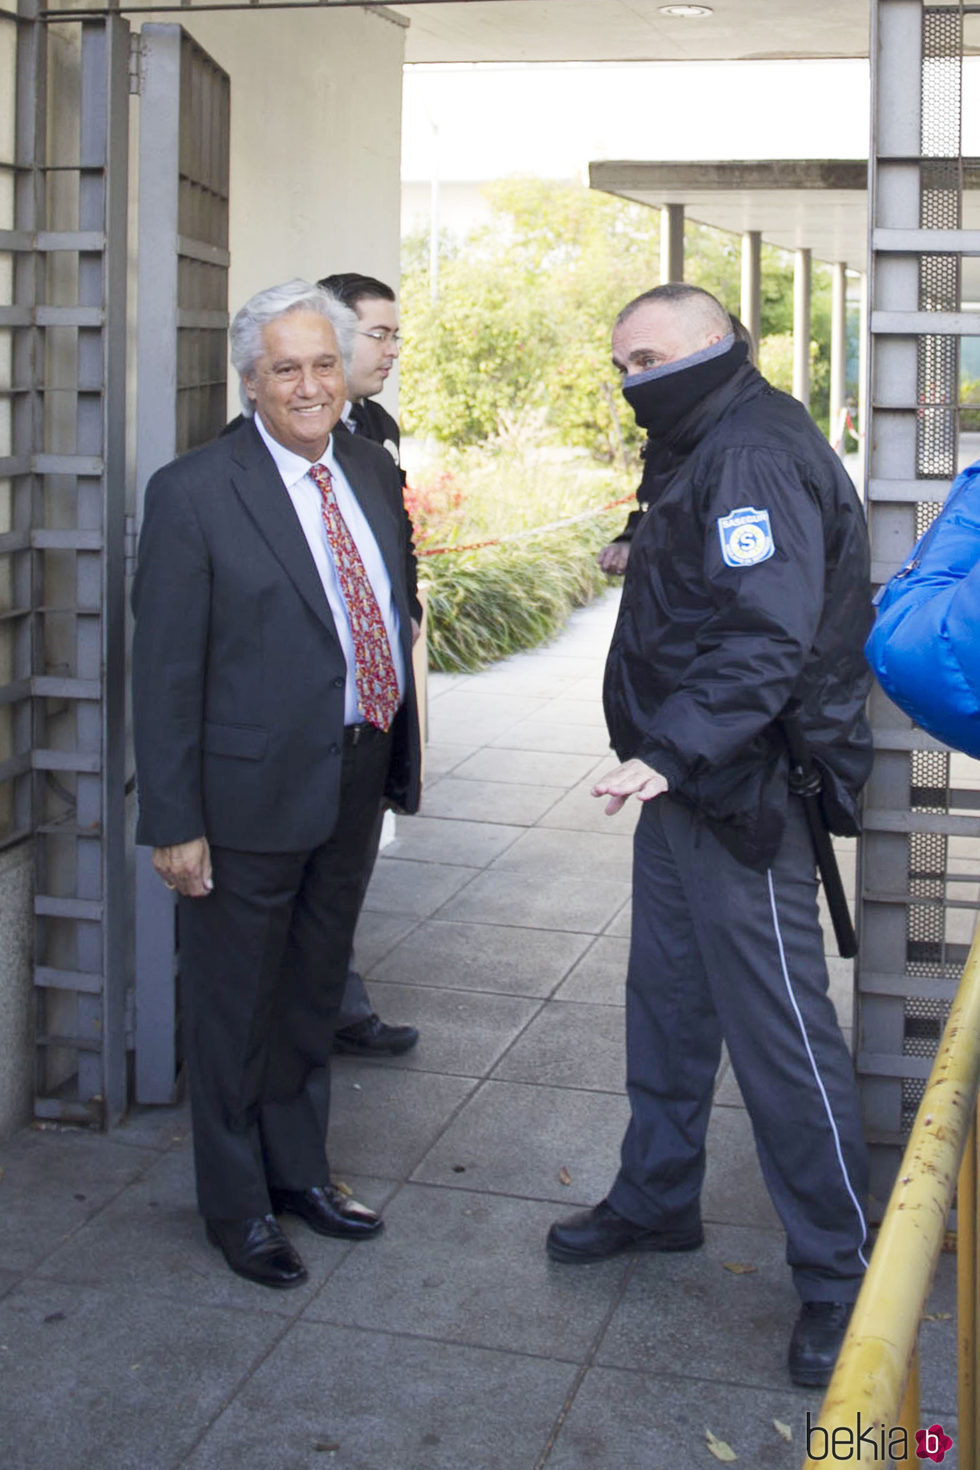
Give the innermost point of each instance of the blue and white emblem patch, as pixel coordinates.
(746, 537)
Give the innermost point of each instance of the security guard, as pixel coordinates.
(746, 597)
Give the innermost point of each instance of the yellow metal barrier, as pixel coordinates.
(877, 1372)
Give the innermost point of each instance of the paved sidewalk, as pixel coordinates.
(497, 921)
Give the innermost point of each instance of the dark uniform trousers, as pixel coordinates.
(264, 960)
(722, 952)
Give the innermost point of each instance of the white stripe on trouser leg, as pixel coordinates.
(816, 1073)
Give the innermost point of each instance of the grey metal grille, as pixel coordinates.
(202, 228)
(67, 470)
(940, 207)
(919, 858)
(913, 1091)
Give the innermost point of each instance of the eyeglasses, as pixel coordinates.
(383, 334)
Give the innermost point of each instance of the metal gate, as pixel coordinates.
(919, 871)
(63, 760)
(183, 304)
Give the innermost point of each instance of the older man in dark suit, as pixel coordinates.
(273, 709)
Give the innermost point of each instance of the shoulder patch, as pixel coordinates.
(746, 537)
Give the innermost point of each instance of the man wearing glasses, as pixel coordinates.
(360, 1031)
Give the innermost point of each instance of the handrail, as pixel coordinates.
(878, 1361)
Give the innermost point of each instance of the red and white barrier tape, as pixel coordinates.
(584, 515)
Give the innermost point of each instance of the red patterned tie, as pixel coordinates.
(377, 683)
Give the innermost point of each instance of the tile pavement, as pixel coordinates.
(498, 921)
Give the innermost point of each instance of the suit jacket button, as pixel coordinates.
(339, 682)
(334, 750)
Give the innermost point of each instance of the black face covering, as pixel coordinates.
(661, 402)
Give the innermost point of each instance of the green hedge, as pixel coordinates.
(486, 604)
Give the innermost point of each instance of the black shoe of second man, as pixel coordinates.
(373, 1037)
(257, 1249)
(597, 1234)
(816, 1342)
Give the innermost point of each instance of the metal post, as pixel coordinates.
(434, 218)
(966, 1299)
(750, 304)
(801, 327)
(838, 350)
(914, 903)
(102, 281)
(908, 1414)
(182, 287)
(863, 389)
(156, 444)
(671, 243)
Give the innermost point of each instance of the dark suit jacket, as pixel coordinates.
(375, 423)
(238, 674)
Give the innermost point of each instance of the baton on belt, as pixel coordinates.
(805, 782)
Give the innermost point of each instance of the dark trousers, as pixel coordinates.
(263, 961)
(721, 952)
(355, 1003)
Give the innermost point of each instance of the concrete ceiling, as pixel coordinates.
(816, 203)
(821, 204)
(632, 30)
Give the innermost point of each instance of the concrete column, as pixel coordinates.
(671, 243)
(838, 348)
(750, 305)
(864, 386)
(801, 327)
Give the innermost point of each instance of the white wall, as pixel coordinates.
(316, 118)
(315, 142)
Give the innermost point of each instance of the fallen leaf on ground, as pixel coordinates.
(783, 1430)
(937, 1316)
(739, 1268)
(719, 1448)
(326, 1446)
(345, 1189)
(563, 1176)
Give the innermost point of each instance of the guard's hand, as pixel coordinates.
(613, 558)
(186, 867)
(634, 778)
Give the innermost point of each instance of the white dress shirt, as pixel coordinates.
(305, 496)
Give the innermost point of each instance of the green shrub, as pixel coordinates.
(486, 604)
(494, 600)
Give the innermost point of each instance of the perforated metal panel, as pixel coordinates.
(919, 865)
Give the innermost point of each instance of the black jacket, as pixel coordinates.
(377, 424)
(707, 655)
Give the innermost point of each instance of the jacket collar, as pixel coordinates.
(662, 457)
(259, 485)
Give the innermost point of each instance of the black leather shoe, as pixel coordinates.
(817, 1336)
(373, 1038)
(597, 1234)
(257, 1249)
(328, 1211)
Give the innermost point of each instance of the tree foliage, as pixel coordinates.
(521, 324)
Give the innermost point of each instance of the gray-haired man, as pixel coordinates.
(273, 708)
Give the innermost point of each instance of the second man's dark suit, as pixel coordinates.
(239, 682)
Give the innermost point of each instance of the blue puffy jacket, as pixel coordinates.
(925, 644)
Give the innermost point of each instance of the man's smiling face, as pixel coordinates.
(297, 385)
